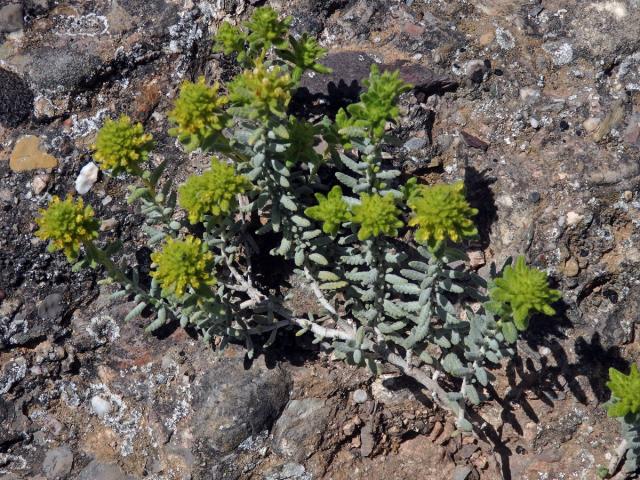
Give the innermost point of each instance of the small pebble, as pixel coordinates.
(87, 177)
(571, 268)
(627, 195)
(360, 396)
(39, 183)
(534, 197)
(108, 224)
(534, 123)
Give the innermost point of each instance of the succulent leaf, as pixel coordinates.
(625, 392)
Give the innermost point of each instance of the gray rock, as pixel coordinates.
(103, 471)
(16, 100)
(65, 70)
(51, 307)
(232, 403)
(58, 462)
(299, 429)
(415, 143)
(12, 373)
(11, 18)
(290, 471)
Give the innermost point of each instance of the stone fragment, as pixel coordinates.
(11, 18)
(108, 224)
(87, 177)
(298, 431)
(475, 70)
(571, 268)
(27, 155)
(590, 124)
(473, 141)
(57, 462)
(415, 143)
(12, 373)
(233, 403)
(51, 307)
(367, 440)
(39, 183)
(103, 471)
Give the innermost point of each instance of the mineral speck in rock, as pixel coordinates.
(100, 406)
(12, 373)
(87, 178)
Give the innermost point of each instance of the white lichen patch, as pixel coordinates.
(90, 25)
(103, 329)
(85, 126)
(617, 9)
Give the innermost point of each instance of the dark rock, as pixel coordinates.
(473, 141)
(299, 429)
(11, 18)
(58, 462)
(103, 471)
(51, 307)
(564, 126)
(16, 100)
(65, 70)
(233, 403)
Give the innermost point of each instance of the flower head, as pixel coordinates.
(198, 113)
(377, 106)
(229, 39)
(182, 264)
(376, 215)
(304, 55)
(331, 210)
(122, 146)
(302, 140)
(212, 193)
(625, 392)
(441, 212)
(521, 291)
(266, 29)
(67, 224)
(261, 92)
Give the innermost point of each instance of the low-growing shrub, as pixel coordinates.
(380, 253)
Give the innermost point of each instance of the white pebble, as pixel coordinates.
(360, 396)
(87, 177)
(100, 406)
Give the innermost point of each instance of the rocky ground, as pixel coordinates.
(536, 104)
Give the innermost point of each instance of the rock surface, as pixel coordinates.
(535, 105)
